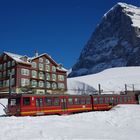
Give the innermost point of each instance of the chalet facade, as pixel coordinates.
(39, 74)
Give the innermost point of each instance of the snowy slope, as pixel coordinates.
(121, 123)
(113, 79)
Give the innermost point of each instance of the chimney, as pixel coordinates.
(36, 53)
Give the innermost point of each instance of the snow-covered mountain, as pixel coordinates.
(114, 43)
(112, 80)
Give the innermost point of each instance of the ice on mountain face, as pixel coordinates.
(114, 43)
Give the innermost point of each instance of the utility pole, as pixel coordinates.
(99, 86)
(125, 88)
(10, 83)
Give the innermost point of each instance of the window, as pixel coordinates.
(61, 86)
(13, 82)
(47, 61)
(61, 77)
(13, 71)
(5, 57)
(25, 82)
(56, 102)
(41, 60)
(34, 65)
(77, 101)
(41, 66)
(106, 100)
(4, 66)
(48, 85)
(0, 74)
(26, 101)
(83, 101)
(0, 83)
(53, 69)
(9, 64)
(95, 100)
(25, 72)
(47, 76)
(8, 73)
(48, 101)
(39, 102)
(34, 83)
(125, 99)
(0, 66)
(34, 74)
(41, 75)
(88, 101)
(100, 100)
(54, 86)
(4, 74)
(54, 77)
(47, 68)
(41, 84)
(70, 101)
(13, 63)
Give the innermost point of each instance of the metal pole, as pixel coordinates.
(125, 88)
(99, 86)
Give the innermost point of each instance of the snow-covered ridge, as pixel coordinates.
(132, 11)
(111, 80)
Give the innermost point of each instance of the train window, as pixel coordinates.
(117, 100)
(100, 100)
(70, 101)
(26, 101)
(106, 100)
(48, 101)
(121, 100)
(125, 99)
(56, 102)
(83, 101)
(39, 102)
(77, 101)
(88, 101)
(129, 99)
(95, 100)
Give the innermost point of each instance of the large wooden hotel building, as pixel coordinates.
(39, 74)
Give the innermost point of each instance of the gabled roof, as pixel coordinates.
(16, 57)
(48, 56)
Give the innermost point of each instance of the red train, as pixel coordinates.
(33, 105)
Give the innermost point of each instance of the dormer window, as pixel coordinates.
(41, 60)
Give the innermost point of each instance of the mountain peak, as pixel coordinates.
(114, 43)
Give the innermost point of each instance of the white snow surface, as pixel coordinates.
(120, 123)
(112, 80)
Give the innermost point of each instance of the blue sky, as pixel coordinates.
(60, 28)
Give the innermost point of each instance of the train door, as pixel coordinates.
(39, 106)
(64, 105)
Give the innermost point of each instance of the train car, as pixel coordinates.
(32, 105)
(106, 102)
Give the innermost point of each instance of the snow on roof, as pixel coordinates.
(16, 57)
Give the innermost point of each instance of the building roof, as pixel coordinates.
(18, 58)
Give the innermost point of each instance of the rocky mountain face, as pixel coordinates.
(114, 43)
